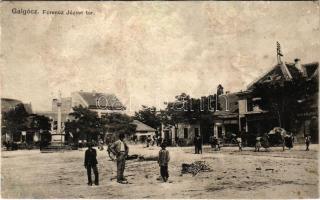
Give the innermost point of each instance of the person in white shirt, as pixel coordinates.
(239, 141)
(121, 150)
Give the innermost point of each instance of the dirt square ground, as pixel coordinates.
(246, 174)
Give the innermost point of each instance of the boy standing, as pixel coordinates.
(163, 161)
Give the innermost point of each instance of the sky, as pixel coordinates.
(148, 52)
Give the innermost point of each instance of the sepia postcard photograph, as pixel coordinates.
(160, 99)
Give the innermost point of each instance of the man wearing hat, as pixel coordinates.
(90, 162)
(120, 149)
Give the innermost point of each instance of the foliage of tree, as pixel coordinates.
(118, 123)
(14, 121)
(149, 116)
(72, 130)
(188, 110)
(86, 123)
(39, 122)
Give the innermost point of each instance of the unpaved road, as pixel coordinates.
(31, 174)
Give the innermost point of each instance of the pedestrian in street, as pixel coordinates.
(265, 141)
(200, 145)
(90, 162)
(154, 139)
(197, 144)
(159, 140)
(211, 141)
(100, 147)
(163, 161)
(216, 143)
(135, 138)
(121, 150)
(307, 140)
(239, 141)
(258, 144)
(148, 140)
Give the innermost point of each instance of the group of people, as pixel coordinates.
(121, 150)
(152, 141)
(259, 143)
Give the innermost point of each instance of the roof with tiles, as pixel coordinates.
(96, 100)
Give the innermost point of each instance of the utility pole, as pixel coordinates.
(59, 114)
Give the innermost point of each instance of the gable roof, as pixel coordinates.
(280, 72)
(8, 104)
(141, 127)
(310, 69)
(232, 100)
(106, 101)
(287, 71)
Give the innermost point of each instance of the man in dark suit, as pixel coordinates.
(90, 162)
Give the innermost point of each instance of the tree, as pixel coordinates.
(188, 110)
(14, 121)
(118, 123)
(86, 123)
(39, 122)
(72, 130)
(180, 110)
(149, 116)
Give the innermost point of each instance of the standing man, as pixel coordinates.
(148, 140)
(121, 150)
(216, 143)
(239, 141)
(196, 145)
(90, 162)
(307, 140)
(200, 144)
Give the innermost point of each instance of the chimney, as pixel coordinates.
(298, 65)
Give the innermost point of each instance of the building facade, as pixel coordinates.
(143, 131)
(226, 117)
(256, 121)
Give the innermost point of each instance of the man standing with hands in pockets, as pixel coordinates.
(121, 150)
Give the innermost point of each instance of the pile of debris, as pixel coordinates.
(148, 158)
(195, 167)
